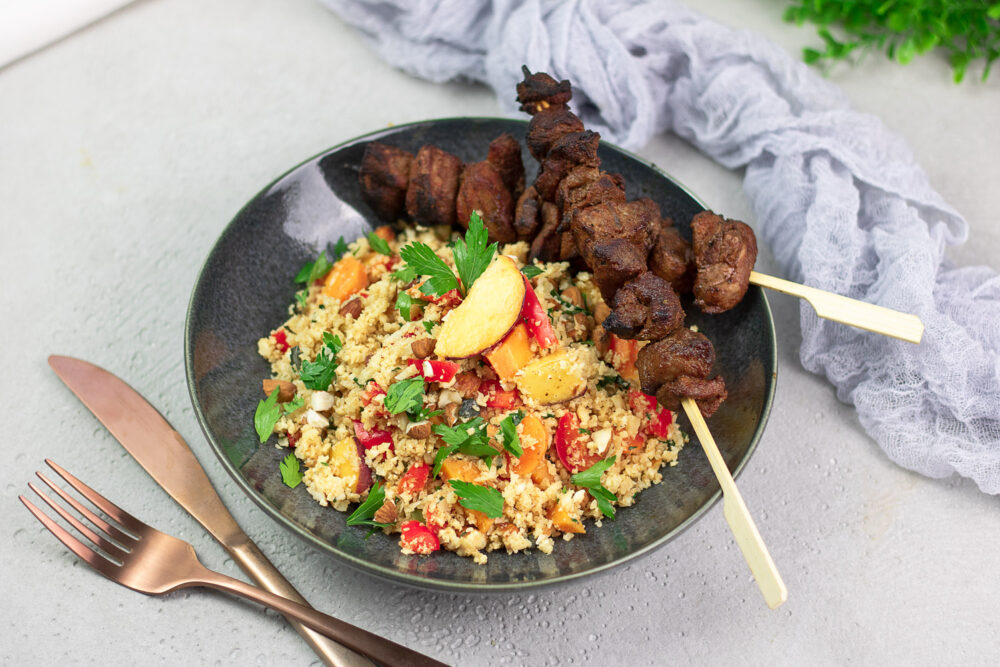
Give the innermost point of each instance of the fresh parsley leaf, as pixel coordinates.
(404, 303)
(266, 415)
(548, 415)
(293, 405)
(302, 296)
(616, 381)
(583, 431)
(472, 255)
(424, 262)
(508, 429)
(378, 244)
(531, 270)
(360, 383)
(290, 474)
(480, 498)
(592, 475)
(468, 438)
(590, 479)
(313, 271)
(442, 454)
(319, 374)
(405, 395)
(428, 325)
(365, 512)
(339, 248)
(405, 274)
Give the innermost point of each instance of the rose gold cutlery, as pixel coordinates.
(161, 451)
(142, 558)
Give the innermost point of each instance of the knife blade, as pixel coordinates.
(168, 459)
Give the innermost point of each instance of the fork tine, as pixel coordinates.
(111, 530)
(86, 554)
(106, 506)
(109, 547)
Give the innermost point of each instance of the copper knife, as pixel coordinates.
(162, 452)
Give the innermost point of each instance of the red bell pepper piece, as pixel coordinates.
(414, 479)
(536, 319)
(436, 370)
(418, 538)
(498, 397)
(658, 420)
(372, 389)
(570, 445)
(281, 340)
(373, 438)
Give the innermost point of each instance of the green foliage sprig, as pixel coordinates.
(967, 31)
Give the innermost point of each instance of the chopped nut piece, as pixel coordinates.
(352, 308)
(286, 390)
(451, 414)
(466, 384)
(491, 430)
(573, 295)
(387, 513)
(419, 431)
(423, 348)
(601, 311)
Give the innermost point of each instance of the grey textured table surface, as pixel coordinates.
(124, 151)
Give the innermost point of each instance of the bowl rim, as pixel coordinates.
(398, 576)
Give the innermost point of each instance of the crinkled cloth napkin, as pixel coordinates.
(837, 197)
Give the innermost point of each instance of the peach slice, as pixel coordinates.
(347, 461)
(555, 378)
(490, 310)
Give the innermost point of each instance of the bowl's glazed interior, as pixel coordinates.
(244, 290)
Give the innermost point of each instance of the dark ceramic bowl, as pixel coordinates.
(244, 290)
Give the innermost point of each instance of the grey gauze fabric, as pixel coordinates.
(837, 197)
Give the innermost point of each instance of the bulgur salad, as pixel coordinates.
(458, 395)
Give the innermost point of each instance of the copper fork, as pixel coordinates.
(144, 559)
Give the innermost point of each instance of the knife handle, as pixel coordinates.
(253, 561)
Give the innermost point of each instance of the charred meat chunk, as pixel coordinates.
(587, 186)
(505, 154)
(527, 214)
(549, 126)
(540, 91)
(547, 246)
(683, 352)
(569, 151)
(724, 253)
(645, 309)
(678, 366)
(707, 393)
(672, 258)
(384, 175)
(613, 264)
(482, 190)
(632, 222)
(430, 198)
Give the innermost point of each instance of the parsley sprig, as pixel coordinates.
(269, 411)
(483, 499)
(378, 244)
(590, 479)
(405, 396)
(290, 473)
(364, 515)
(319, 374)
(466, 438)
(472, 256)
(965, 30)
(508, 433)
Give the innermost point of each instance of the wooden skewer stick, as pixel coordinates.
(735, 510)
(848, 311)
